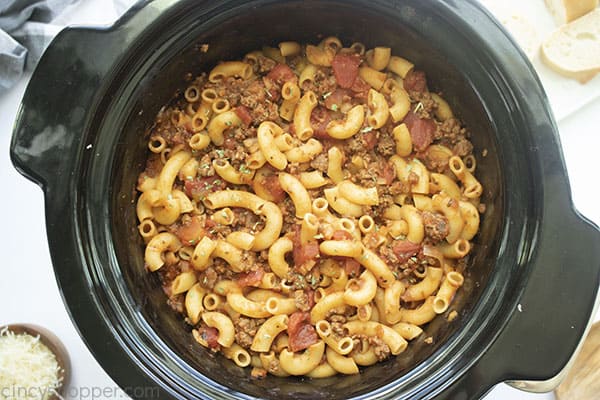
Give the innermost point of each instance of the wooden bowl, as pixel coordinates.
(54, 344)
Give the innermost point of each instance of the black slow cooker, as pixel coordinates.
(79, 134)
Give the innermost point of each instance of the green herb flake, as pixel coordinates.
(228, 123)
(244, 169)
(334, 107)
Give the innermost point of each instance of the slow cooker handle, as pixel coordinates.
(66, 85)
(557, 301)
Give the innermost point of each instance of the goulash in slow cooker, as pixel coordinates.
(309, 208)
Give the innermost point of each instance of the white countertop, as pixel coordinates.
(28, 290)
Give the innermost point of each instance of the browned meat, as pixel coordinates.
(436, 225)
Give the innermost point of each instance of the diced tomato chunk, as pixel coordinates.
(370, 139)
(282, 73)
(303, 253)
(211, 335)
(311, 297)
(388, 172)
(271, 183)
(421, 130)
(306, 252)
(244, 114)
(360, 88)
(300, 332)
(352, 267)
(415, 81)
(319, 119)
(405, 249)
(250, 278)
(345, 69)
(341, 234)
(192, 231)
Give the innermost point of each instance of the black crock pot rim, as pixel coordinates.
(22, 160)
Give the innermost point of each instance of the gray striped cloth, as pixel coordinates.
(26, 29)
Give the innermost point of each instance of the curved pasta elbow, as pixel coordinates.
(220, 124)
(344, 129)
(378, 109)
(362, 290)
(223, 324)
(273, 225)
(160, 243)
(303, 363)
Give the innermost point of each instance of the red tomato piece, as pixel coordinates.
(345, 69)
(341, 234)
(282, 73)
(211, 335)
(370, 139)
(421, 130)
(191, 232)
(271, 183)
(415, 81)
(360, 88)
(306, 252)
(319, 119)
(300, 332)
(244, 114)
(303, 253)
(388, 172)
(405, 249)
(352, 267)
(250, 278)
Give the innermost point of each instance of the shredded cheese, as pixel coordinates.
(28, 369)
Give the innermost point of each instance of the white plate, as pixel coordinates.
(530, 22)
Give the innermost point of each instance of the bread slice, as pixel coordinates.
(574, 49)
(565, 11)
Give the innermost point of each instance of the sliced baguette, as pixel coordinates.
(565, 11)
(573, 49)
